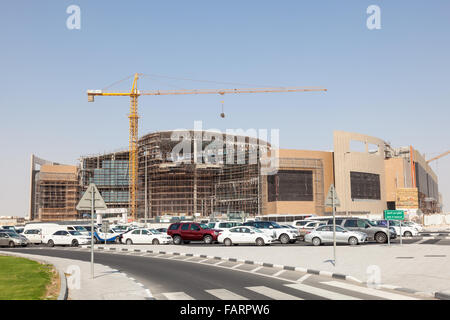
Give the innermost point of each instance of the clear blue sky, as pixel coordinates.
(391, 83)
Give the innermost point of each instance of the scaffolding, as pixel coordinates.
(57, 195)
(176, 184)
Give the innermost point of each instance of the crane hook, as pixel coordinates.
(222, 114)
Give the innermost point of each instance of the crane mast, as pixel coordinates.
(134, 118)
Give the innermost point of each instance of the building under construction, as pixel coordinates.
(180, 173)
(185, 173)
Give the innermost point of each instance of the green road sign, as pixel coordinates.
(394, 214)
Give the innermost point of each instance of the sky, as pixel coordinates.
(391, 83)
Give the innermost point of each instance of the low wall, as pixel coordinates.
(436, 219)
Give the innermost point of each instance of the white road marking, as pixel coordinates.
(203, 260)
(177, 296)
(368, 291)
(217, 263)
(320, 292)
(256, 269)
(224, 294)
(272, 293)
(236, 266)
(306, 276)
(276, 274)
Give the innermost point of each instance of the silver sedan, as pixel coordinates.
(324, 234)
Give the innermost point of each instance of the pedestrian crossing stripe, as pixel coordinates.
(272, 293)
(320, 292)
(368, 291)
(224, 294)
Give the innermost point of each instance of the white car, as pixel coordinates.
(80, 229)
(415, 225)
(145, 236)
(324, 234)
(407, 231)
(244, 235)
(33, 235)
(223, 225)
(66, 238)
(310, 226)
(273, 229)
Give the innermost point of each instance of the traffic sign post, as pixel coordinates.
(395, 215)
(92, 200)
(333, 201)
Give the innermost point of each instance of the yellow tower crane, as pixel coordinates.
(133, 118)
(439, 156)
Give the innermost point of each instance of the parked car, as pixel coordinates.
(406, 231)
(33, 235)
(273, 229)
(324, 234)
(300, 223)
(14, 233)
(11, 240)
(192, 231)
(66, 238)
(80, 229)
(243, 235)
(310, 226)
(371, 228)
(223, 225)
(111, 236)
(145, 236)
(413, 224)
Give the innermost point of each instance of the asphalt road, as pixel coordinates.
(176, 279)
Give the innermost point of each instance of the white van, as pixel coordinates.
(33, 235)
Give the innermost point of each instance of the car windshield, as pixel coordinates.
(204, 226)
(256, 230)
(275, 225)
(154, 231)
(75, 233)
(80, 228)
(372, 223)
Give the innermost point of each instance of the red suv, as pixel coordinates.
(192, 231)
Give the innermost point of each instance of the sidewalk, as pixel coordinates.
(422, 268)
(108, 284)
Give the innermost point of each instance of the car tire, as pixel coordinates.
(96, 241)
(207, 239)
(129, 242)
(284, 238)
(407, 234)
(227, 242)
(177, 239)
(50, 243)
(155, 242)
(74, 243)
(11, 244)
(316, 241)
(352, 241)
(293, 241)
(117, 240)
(259, 242)
(380, 237)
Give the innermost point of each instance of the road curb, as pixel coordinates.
(63, 290)
(340, 276)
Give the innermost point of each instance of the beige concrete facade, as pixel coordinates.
(368, 160)
(320, 163)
